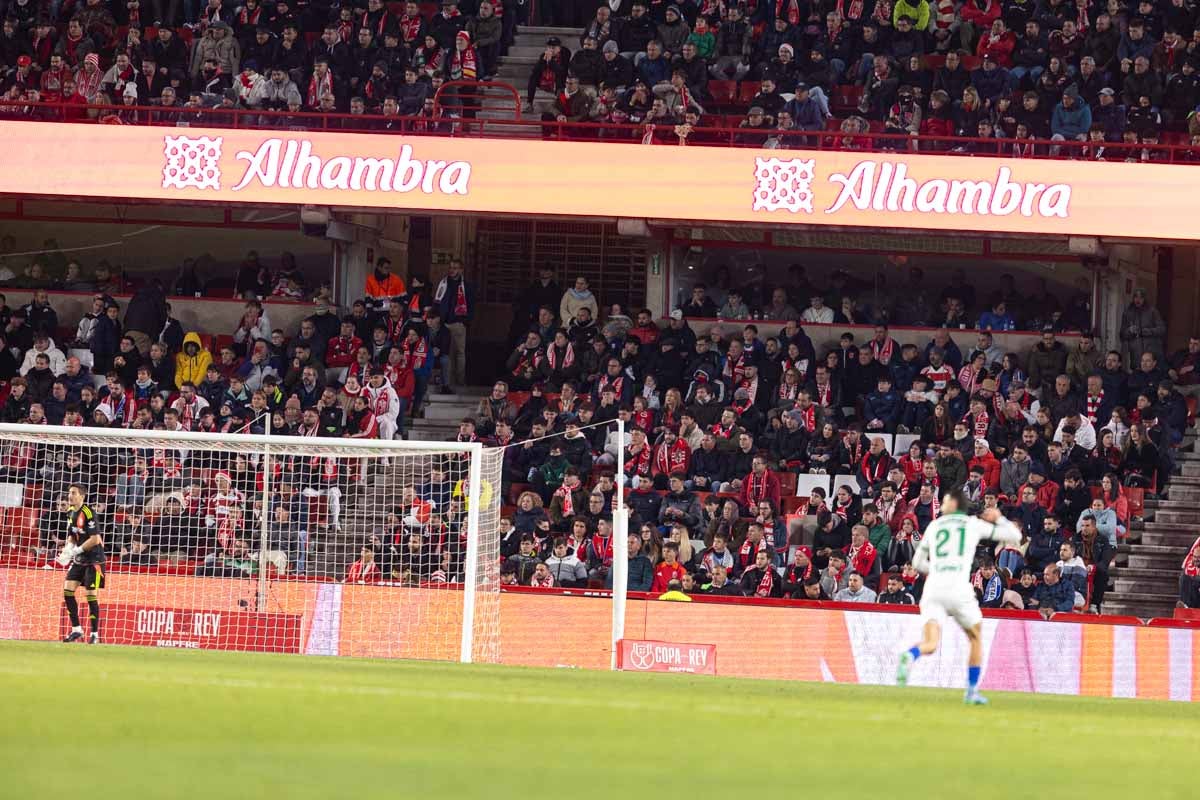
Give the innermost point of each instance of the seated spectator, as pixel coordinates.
(856, 591)
(1053, 594)
(1189, 579)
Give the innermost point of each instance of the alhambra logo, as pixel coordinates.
(194, 162)
(885, 186)
(784, 184)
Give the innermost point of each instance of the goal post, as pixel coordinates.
(283, 543)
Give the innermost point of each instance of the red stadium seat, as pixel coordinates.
(747, 91)
(723, 93)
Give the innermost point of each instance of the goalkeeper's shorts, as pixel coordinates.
(89, 576)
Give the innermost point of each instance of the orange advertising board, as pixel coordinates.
(771, 187)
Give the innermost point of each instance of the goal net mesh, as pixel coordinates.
(281, 544)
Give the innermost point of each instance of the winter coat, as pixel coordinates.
(189, 367)
(1149, 336)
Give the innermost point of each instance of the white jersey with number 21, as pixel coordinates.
(947, 550)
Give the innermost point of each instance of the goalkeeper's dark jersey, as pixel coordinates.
(82, 523)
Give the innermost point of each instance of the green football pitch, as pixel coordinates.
(132, 723)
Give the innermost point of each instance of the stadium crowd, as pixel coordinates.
(1104, 80)
(719, 430)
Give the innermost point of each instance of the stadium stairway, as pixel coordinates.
(1146, 574)
(366, 501)
(514, 69)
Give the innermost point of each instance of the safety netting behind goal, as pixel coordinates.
(296, 544)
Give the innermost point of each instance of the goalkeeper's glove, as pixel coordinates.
(68, 553)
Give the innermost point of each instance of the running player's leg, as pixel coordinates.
(931, 638)
(974, 662)
(970, 619)
(69, 587)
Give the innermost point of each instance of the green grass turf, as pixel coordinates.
(132, 723)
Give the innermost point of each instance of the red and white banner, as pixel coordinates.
(198, 629)
(640, 655)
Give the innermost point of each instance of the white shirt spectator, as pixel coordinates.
(58, 362)
(822, 315)
(1085, 433)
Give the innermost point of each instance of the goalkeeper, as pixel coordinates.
(84, 551)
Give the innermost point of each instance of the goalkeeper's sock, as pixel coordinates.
(914, 651)
(972, 679)
(94, 614)
(72, 609)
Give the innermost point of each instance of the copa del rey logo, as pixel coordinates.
(885, 186)
(194, 162)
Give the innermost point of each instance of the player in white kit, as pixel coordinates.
(945, 554)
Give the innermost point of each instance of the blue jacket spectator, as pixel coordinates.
(1111, 116)
(883, 406)
(996, 321)
(1059, 596)
(990, 81)
(1071, 118)
(806, 112)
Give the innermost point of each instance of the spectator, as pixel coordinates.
(146, 316)
(1053, 594)
(456, 300)
(896, 593)
(575, 298)
(106, 338)
(191, 364)
(1189, 579)
(856, 591)
(1142, 329)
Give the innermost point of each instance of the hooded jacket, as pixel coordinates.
(191, 367)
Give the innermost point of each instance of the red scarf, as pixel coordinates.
(766, 583)
(1093, 405)
(568, 501)
(381, 400)
(824, 395)
(316, 88)
(788, 392)
(602, 548)
(460, 300)
(883, 352)
(851, 11)
(568, 357)
(530, 360)
(747, 551)
(877, 473)
(788, 9)
(795, 574)
(842, 509)
(756, 486)
(722, 432)
(644, 420)
(855, 450)
(751, 388)
(669, 460)
(410, 27)
(415, 353)
(862, 559)
(980, 424)
(606, 381)
(637, 463)
(364, 21)
(810, 417)
(735, 371)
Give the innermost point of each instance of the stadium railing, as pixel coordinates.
(669, 134)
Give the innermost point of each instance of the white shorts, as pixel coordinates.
(958, 604)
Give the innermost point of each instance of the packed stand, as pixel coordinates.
(134, 366)
(1065, 439)
(1061, 78)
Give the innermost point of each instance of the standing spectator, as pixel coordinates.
(577, 297)
(456, 300)
(1142, 329)
(383, 285)
(146, 316)
(106, 339)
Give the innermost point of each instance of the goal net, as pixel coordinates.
(294, 544)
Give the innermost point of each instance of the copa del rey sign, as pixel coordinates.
(641, 655)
